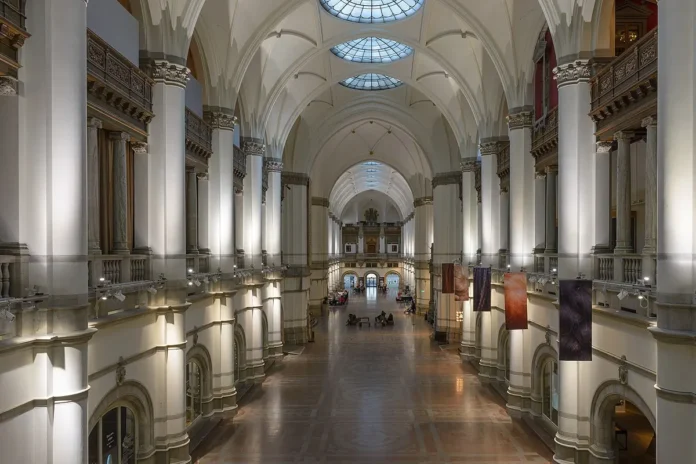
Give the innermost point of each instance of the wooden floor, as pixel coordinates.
(372, 395)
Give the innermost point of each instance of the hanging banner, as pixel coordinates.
(575, 337)
(515, 287)
(461, 283)
(482, 289)
(447, 278)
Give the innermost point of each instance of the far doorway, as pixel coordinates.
(371, 280)
(349, 281)
(393, 281)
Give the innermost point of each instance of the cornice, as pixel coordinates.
(294, 178)
(422, 201)
(447, 178)
(520, 120)
(8, 86)
(253, 146)
(573, 73)
(165, 72)
(320, 201)
(273, 164)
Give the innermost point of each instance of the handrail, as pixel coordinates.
(14, 14)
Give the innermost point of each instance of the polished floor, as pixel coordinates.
(372, 395)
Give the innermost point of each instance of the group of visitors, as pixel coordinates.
(337, 298)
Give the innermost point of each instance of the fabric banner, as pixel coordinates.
(447, 278)
(575, 338)
(482, 289)
(515, 300)
(461, 283)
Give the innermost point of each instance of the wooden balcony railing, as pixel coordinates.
(625, 90)
(13, 33)
(545, 140)
(199, 139)
(14, 12)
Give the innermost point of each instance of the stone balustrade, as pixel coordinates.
(118, 269)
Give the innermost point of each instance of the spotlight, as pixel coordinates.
(640, 296)
(120, 296)
(622, 294)
(104, 297)
(508, 266)
(235, 266)
(554, 270)
(101, 279)
(190, 271)
(152, 290)
(190, 284)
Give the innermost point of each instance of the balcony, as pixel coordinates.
(117, 90)
(625, 91)
(545, 140)
(118, 269)
(12, 36)
(199, 140)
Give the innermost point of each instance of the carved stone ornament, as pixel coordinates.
(422, 201)
(491, 147)
(139, 148)
(120, 372)
(8, 86)
(273, 164)
(253, 147)
(168, 73)
(604, 147)
(195, 336)
(623, 371)
(520, 120)
(547, 335)
(469, 164)
(572, 73)
(649, 121)
(447, 178)
(220, 120)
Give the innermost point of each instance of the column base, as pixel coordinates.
(467, 352)
(121, 251)
(551, 251)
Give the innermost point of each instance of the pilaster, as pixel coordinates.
(623, 193)
(602, 196)
(521, 196)
(120, 200)
(93, 156)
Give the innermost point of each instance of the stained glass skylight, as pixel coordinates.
(371, 81)
(372, 11)
(372, 50)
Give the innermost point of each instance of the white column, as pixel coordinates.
(575, 226)
(319, 263)
(490, 196)
(191, 211)
(479, 223)
(254, 149)
(539, 212)
(120, 200)
(551, 209)
(141, 210)
(274, 166)
(623, 193)
(424, 238)
(602, 202)
(676, 228)
(93, 126)
(202, 214)
(469, 247)
(522, 195)
(650, 247)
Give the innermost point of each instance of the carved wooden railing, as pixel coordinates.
(545, 139)
(199, 138)
(625, 85)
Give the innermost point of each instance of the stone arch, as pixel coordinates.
(503, 355)
(134, 396)
(603, 28)
(201, 356)
(367, 273)
(603, 402)
(541, 355)
(239, 352)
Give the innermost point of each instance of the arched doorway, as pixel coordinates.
(371, 279)
(393, 280)
(350, 280)
(113, 440)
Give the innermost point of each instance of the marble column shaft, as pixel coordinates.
(239, 220)
(540, 211)
(504, 230)
(650, 186)
(191, 212)
(490, 199)
(120, 200)
(602, 192)
(93, 126)
(623, 193)
(202, 214)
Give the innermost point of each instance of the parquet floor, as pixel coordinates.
(372, 395)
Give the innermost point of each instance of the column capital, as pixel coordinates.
(253, 147)
(422, 201)
(8, 86)
(167, 73)
(447, 178)
(504, 189)
(273, 164)
(469, 164)
(119, 136)
(320, 201)
(492, 146)
(520, 118)
(239, 191)
(139, 148)
(202, 175)
(220, 118)
(93, 123)
(540, 175)
(551, 170)
(624, 136)
(572, 73)
(604, 146)
(649, 121)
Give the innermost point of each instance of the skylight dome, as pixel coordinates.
(371, 81)
(372, 11)
(372, 50)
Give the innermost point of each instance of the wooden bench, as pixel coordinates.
(364, 320)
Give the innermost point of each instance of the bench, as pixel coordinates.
(364, 320)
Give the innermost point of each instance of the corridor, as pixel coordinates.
(371, 395)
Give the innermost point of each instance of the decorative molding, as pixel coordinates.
(422, 201)
(623, 370)
(573, 73)
(221, 120)
(320, 201)
(469, 164)
(253, 146)
(202, 175)
(120, 371)
(119, 136)
(624, 136)
(139, 148)
(273, 164)
(520, 120)
(295, 178)
(492, 146)
(8, 86)
(649, 121)
(447, 178)
(604, 147)
(94, 123)
(165, 72)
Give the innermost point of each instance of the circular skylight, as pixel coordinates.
(371, 81)
(372, 11)
(372, 50)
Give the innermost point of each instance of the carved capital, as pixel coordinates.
(253, 147)
(94, 123)
(492, 146)
(119, 137)
(469, 164)
(202, 175)
(520, 120)
(447, 178)
(220, 120)
(273, 164)
(423, 201)
(624, 136)
(8, 86)
(604, 147)
(239, 190)
(572, 73)
(540, 175)
(164, 72)
(504, 189)
(649, 121)
(551, 170)
(139, 148)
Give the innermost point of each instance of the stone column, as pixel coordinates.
(93, 126)
(239, 220)
(361, 240)
(504, 220)
(141, 213)
(319, 262)
(522, 195)
(202, 214)
(254, 149)
(191, 211)
(602, 197)
(623, 193)
(650, 247)
(424, 238)
(576, 144)
(551, 209)
(479, 224)
(539, 212)
(382, 244)
(469, 247)
(120, 201)
(490, 199)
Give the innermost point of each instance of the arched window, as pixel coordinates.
(371, 81)
(549, 390)
(372, 50)
(113, 440)
(194, 391)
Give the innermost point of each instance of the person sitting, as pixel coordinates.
(390, 319)
(352, 319)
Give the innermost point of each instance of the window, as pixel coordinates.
(371, 81)
(113, 439)
(194, 387)
(372, 11)
(372, 50)
(549, 390)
